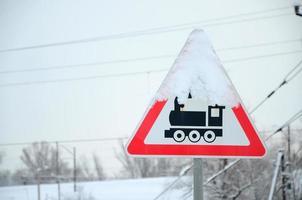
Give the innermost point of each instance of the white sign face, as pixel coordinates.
(195, 129)
(232, 132)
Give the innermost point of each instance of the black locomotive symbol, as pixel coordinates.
(192, 124)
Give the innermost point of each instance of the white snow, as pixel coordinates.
(198, 70)
(297, 2)
(133, 189)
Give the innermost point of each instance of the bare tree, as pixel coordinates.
(84, 171)
(98, 168)
(148, 167)
(4, 174)
(40, 159)
(242, 181)
(22, 177)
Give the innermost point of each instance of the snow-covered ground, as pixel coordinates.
(140, 189)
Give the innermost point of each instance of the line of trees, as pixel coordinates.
(250, 179)
(42, 163)
(133, 167)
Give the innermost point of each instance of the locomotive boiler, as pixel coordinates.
(195, 124)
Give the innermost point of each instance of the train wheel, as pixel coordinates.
(194, 136)
(209, 136)
(179, 136)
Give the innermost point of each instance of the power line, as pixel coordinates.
(133, 73)
(288, 122)
(79, 78)
(90, 140)
(261, 44)
(262, 56)
(59, 67)
(67, 141)
(290, 76)
(158, 30)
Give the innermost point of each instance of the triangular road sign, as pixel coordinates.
(197, 111)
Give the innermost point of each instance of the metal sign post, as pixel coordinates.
(275, 176)
(198, 179)
(39, 189)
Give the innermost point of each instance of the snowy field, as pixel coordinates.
(140, 189)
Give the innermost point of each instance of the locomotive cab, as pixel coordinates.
(215, 115)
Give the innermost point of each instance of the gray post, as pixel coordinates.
(288, 144)
(291, 195)
(276, 172)
(198, 179)
(58, 170)
(284, 178)
(39, 191)
(74, 170)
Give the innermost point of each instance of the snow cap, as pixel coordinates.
(198, 70)
(297, 2)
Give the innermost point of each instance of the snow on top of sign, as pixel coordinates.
(199, 71)
(297, 2)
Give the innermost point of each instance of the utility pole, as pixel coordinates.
(283, 179)
(74, 170)
(198, 179)
(58, 170)
(276, 172)
(288, 144)
(39, 191)
(289, 184)
(74, 157)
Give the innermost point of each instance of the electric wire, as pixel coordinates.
(66, 141)
(114, 75)
(260, 44)
(292, 119)
(131, 73)
(90, 140)
(262, 56)
(158, 30)
(59, 67)
(290, 76)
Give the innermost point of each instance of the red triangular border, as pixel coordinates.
(138, 147)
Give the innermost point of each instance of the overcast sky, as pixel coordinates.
(112, 106)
